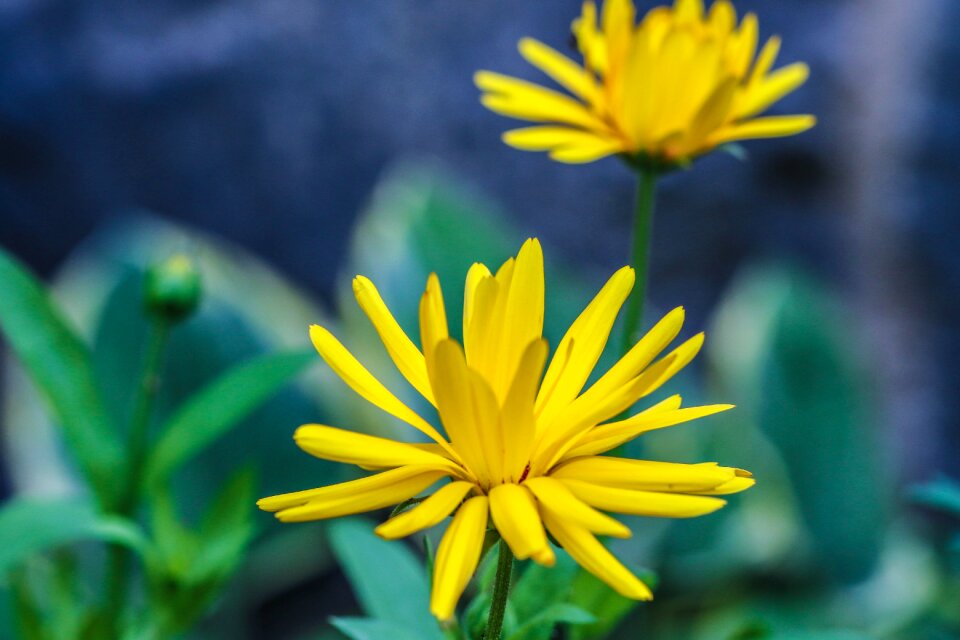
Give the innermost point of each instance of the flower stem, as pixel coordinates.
(118, 557)
(501, 589)
(640, 257)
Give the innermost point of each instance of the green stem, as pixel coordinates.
(501, 589)
(118, 557)
(640, 256)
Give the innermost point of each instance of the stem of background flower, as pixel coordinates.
(640, 256)
(118, 557)
(501, 589)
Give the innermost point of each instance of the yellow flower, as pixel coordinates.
(676, 86)
(522, 448)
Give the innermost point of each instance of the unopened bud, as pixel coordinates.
(172, 289)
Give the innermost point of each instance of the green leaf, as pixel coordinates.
(226, 531)
(606, 605)
(372, 629)
(387, 578)
(213, 411)
(30, 525)
(784, 353)
(59, 364)
(942, 494)
(541, 626)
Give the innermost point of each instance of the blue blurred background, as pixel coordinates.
(269, 124)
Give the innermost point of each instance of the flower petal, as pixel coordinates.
(592, 556)
(365, 384)
(588, 335)
(340, 445)
(562, 69)
(771, 89)
(645, 474)
(605, 437)
(639, 356)
(768, 127)
(403, 352)
(457, 556)
(643, 503)
(366, 494)
(433, 317)
(556, 498)
(527, 101)
(518, 521)
(426, 514)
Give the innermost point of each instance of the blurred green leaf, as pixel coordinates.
(371, 629)
(785, 354)
(540, 626)
(942, 494)
(59, 364)
(27, 610)
(539, 588)
(32, 525)
(605, 604)
(213, 411)
(226, 530)
(388, 580)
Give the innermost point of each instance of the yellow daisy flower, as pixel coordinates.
(676, 86)
(520, 450)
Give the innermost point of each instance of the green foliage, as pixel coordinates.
(52, 523)
(213, 411)
(607, 606)
(942, 494)
(387, 578)
(60, 365)
(783, 351)
(368, 629)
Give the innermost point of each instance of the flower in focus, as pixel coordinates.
(520, 450)
(676, 86)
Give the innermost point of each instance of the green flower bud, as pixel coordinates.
(172, 288)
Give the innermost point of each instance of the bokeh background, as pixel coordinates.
(271, 129)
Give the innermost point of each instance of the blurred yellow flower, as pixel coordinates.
(520, 450)
(676, 86)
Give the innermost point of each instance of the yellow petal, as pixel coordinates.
(339, 445)
(466, 409)
(688, 11)
(457, 556)
(769, 127)
(643, 503)
(723, 18)
(565, 432)
(609, 436)
(639, 356)
(556, 498)
(587, 151)
(743, 481)
(518, 417)
(592, 556)
(527, 101)
(770, 89)
(645, 474)
(747, 39)
(366, 494)
(362, 381)
(475, 275)
(585, 340)
(433, 317)
(402, 351)
(547, 138)
(518, 521)
(766, 59)
(565, 71)
(426, 514)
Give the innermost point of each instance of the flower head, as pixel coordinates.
(676, 86)
(520, 449)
